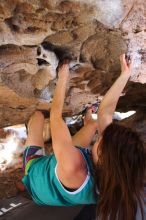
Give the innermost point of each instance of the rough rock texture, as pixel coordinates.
(95, 33)
(133, 29)
(138, 123)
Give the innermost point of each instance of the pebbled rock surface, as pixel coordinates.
(95, 33)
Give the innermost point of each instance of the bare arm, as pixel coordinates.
(68, 157)
(109, 102)
(59, 94)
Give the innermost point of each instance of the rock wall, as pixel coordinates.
(94, 32)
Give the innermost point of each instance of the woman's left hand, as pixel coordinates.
(64, 71)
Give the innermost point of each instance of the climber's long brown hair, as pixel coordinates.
(120, 173)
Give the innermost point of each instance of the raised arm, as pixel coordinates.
(61, 137)
(69, 158)
(109, 102)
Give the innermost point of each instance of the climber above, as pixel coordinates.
(66, 177)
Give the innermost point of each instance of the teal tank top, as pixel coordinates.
(45, 188)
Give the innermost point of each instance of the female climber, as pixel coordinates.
(66, 177)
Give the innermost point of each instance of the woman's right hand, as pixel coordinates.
(126, 67)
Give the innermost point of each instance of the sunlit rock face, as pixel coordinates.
(91, 33)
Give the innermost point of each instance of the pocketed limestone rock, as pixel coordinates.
(14, 58)
(82, 33)
(103, 50)
(134, 33)
(4, 12)
(41, 79)
(95, 33)
(112, 12)
(60, 38)
(138, 123)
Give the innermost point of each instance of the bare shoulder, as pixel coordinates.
(73, 175)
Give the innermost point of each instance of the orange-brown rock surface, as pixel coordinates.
(95, 33)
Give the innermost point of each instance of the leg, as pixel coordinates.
(35, 130)
(85, 135)
(34, 138)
